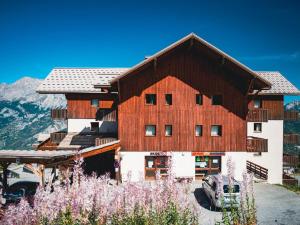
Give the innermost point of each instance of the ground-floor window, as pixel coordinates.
(207, 165)
(154, 164)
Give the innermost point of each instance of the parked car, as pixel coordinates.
(210, 187)
(19, 190)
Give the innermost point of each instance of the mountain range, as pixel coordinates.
(24, 114)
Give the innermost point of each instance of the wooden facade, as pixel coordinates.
(272, 103)
(80, 107)
(183, 73)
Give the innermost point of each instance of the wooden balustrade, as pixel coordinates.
(288, 180)
(59, 114)
(255, 144)
(258, 171)
(291, 139)
(57, 137)
(291, 115)
(101, 141)
(106, 114)
(257, 115)
(291, 160)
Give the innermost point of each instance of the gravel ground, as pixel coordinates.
(275, 205)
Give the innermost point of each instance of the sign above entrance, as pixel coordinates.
(208, 153)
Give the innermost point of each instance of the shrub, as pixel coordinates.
(98, 201)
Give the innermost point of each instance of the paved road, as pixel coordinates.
(275, 205)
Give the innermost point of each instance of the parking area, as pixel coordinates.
(275, 205)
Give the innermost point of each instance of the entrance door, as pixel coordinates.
(155, 164)
(207, 165)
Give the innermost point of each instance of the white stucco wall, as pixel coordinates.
(84, 125)
(271, 160)
(134, 163)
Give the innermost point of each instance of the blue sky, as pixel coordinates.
(36, 36)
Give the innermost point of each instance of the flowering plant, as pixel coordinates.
(98, 201)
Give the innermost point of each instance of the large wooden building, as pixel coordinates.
(190, 103)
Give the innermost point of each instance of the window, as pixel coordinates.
(168, 130)
(155, 164)
(216, 130)
(168, 98)
(95, 102)
(257, 103)
(198, 130)
(150, 99)
(217, 100)
(95, 127)
(150, 130)
(257, 127)
(199, 100)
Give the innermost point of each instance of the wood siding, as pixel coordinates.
(183, 74)
(79, 105)
(272, 103)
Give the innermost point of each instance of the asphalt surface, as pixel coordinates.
(275, 205)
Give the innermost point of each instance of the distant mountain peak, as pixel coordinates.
(24, 113)
(24, 90)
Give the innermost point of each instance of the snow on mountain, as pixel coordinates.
(295, 105)
(24, 114)
(23, 90)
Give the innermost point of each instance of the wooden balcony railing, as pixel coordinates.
(258, 171)
(59, 114)
(257, 115)
(101, 141)
(255, 144)
(291, 115)
(291, 139)
(291, 160)
(288, 180)
(106, 114)
(57, 137)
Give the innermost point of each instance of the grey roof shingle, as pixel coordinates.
(83, 80)
(78, 80)
(280, 85)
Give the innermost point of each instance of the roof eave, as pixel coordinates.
(177, 43)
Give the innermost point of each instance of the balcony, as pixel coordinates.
(57, 137)
(257, 115)
(59, 114)
(106, 115)
(255, 144)
(291, 139)
(291, 115)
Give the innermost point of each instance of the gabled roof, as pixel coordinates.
(280, 85)
(204, 43)
(78, 80)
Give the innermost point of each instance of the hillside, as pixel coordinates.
(292, 127)
(24, 113)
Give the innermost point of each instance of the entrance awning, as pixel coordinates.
(49, 158)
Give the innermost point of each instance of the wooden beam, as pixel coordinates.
(98, 151)
(155, 64)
